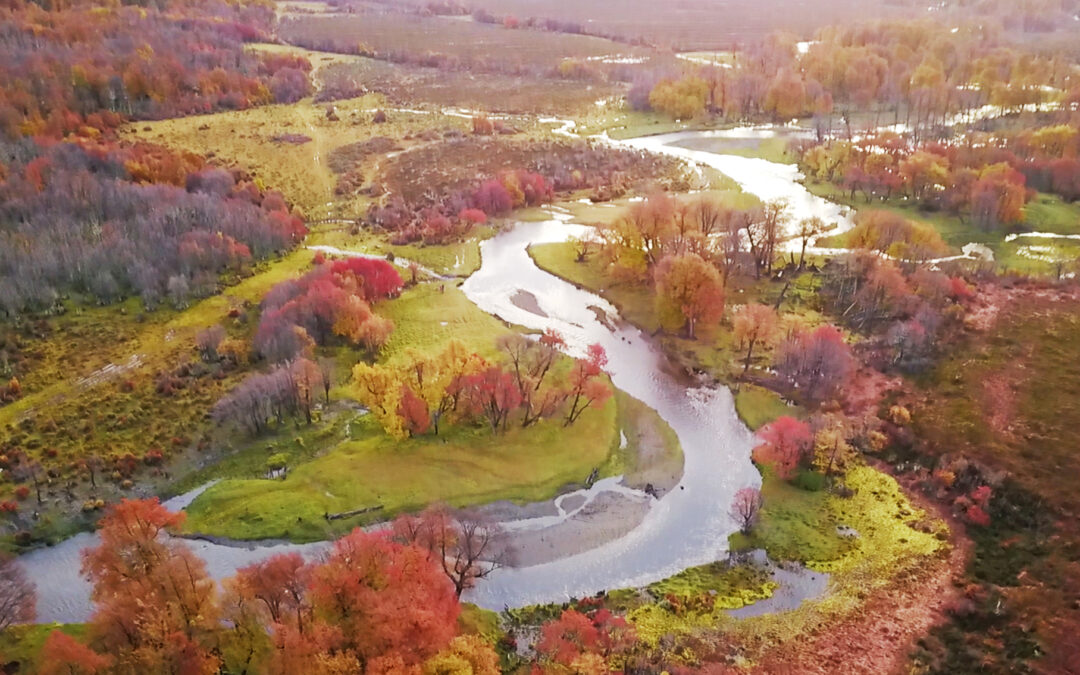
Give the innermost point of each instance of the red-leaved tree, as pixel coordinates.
(157, 608)
(64, 655)
(786, 444)
(384, 605)
(587, 388)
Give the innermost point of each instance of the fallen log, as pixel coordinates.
(350, 514)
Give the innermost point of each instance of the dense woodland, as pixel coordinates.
(919, 73)
(81, 67)
(112, 222)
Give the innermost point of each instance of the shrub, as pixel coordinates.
(277, 461)
(811, 481)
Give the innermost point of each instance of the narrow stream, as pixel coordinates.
(764, 179)
(688, 526)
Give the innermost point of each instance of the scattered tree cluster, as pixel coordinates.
(455, 217)
(729, 239)
(423, 393)
(690, 249)
(333, 300)
(584, 642)
(987, 179)
(905, 309)
(920, 68)
(112, 222)
(81, 67)
(289, 390)
(374, 603)
(434, 195)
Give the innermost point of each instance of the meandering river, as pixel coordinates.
(688, 526)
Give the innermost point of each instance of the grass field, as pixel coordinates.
(22, 644)
(800, 526)
(1012, 397)
(300, 171)
(463, 466)
(404, 84)
(75, 409)
(757, 406)
(360, 466)
(1007, 398)
(796, 524)
(770, 149)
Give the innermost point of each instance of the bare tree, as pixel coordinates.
(809, 228)
(17, 596)
(92, 464)
(468, 545)
(775, 213)
(746, 507)
(31, 471)
(207, 341)
(326, 368)
(727, 246)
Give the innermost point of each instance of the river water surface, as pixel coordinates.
(688, 526)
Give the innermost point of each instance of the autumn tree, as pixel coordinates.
(833, 451)
(808, 230)
(307, 382)
(465, 655)
(785, 445)
(33, 471)
(379, 389)
(745, 508)
(764, 228)
(156, 607)
(586, 387)
(815, 363)
(755, 325)
(786, 96)
(422, 390)
(531, 362)
(584, 642)
(17, 595)
(437, 380)
(327, 367)
(64, 655)
(207, 342)
(278, 585)
(998, 197)
(492, 394)
(382, 605)
(689, 287)
(682, 98)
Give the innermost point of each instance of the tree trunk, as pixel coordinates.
(749, 353)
